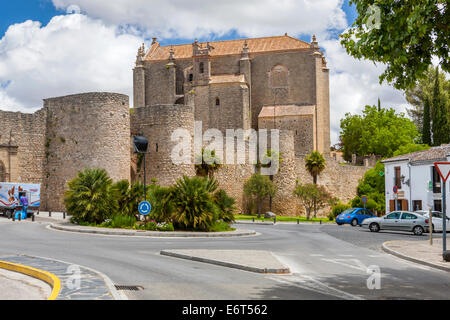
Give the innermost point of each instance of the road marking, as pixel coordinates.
(346, 255)
(358, 265)
(316, 255)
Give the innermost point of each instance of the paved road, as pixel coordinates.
(328, 262)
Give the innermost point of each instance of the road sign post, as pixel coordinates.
(395, 190)
(443, 168)
(364, 201)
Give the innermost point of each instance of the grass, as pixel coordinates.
(281, 219)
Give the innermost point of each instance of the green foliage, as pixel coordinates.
(195, 208)
(207, 163)
(226, 206)
(128, 197)
(426, 126)
(154, 226)
(423, 91)
(119, 222)
(372, 186)
(440, 123)
(408, 35)
(410, 148)
(260, 187)
(338, 209)
(312, 195)
(221, 227)
(376, 132)
(162, 205)
(88, 197)
(315, 164)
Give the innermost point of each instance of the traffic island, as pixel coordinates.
(155, 234)
(248, 260)
(419, 252)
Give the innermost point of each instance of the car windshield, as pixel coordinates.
(348, 211)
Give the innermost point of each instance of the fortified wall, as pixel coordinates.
(69, 134)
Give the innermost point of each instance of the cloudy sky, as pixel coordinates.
(56, 47)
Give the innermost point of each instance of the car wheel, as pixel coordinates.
(374, 227)
(339, 224)
(418, 230)
(354, 222)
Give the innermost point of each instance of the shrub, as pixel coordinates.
(312, 196)
(162, 204)
(195, 208)
(164, 226)
(128, 197)
(88, 198)
(120, 222)
(260, 187)
(338, 209)
(226, 206)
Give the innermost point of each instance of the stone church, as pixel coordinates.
(264, 83)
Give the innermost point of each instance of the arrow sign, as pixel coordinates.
(444, 170)
(145, 208)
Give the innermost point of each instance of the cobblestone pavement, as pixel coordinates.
(77, 283)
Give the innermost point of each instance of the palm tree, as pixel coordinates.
(315, 164)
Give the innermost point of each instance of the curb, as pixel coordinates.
(155, 234)
(225, 264)
(45, 276)
(411, 259)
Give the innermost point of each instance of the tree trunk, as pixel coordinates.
(259, 207)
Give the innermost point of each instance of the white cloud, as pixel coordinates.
(199, 18)
(355, 84)
(72, 54)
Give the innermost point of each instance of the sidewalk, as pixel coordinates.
(17, 286)
(419, 252)
(77, 282)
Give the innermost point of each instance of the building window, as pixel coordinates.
(438, 205)
(157, 148)
(191, 77)
(436, 181)
(202, 67)
(217, 102)
(398, 175)
(417, 205)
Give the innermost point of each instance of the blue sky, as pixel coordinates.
(96, 50)
(18, 11)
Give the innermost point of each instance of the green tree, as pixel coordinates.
(426, 127)
(439, 113)
(194, 204)
(260, 187)
(423, 91)
(372, 186)
(89, 197)
(376, 132)
(226, 206)
(315, 164)
(312, 196)
(410, 148)
(403, 35)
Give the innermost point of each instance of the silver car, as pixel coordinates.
(398, 221)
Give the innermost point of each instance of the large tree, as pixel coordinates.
(260, 187)
(423, 90)
(426, 127)
(403, 35)
(439, 112)
(376, 132)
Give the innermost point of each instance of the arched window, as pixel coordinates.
(279, 77)
(202, 67)
(217, 102)
(191, 77)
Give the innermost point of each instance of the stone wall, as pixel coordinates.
(84, 131)
(157, 123)
(22, 146)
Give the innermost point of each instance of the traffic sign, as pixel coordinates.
(395, 189)
(364, 199)
(145, 208)
(444, 170)
(381, 173)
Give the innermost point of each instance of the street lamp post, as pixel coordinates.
(140, 145)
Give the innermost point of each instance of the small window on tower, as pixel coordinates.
(202, 67)
(191, 77)
(217, 102)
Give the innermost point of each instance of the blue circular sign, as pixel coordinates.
(364, 199)
(145, 208)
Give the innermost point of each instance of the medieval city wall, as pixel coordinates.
(22, 141)
(157, 123)
(88, 130)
